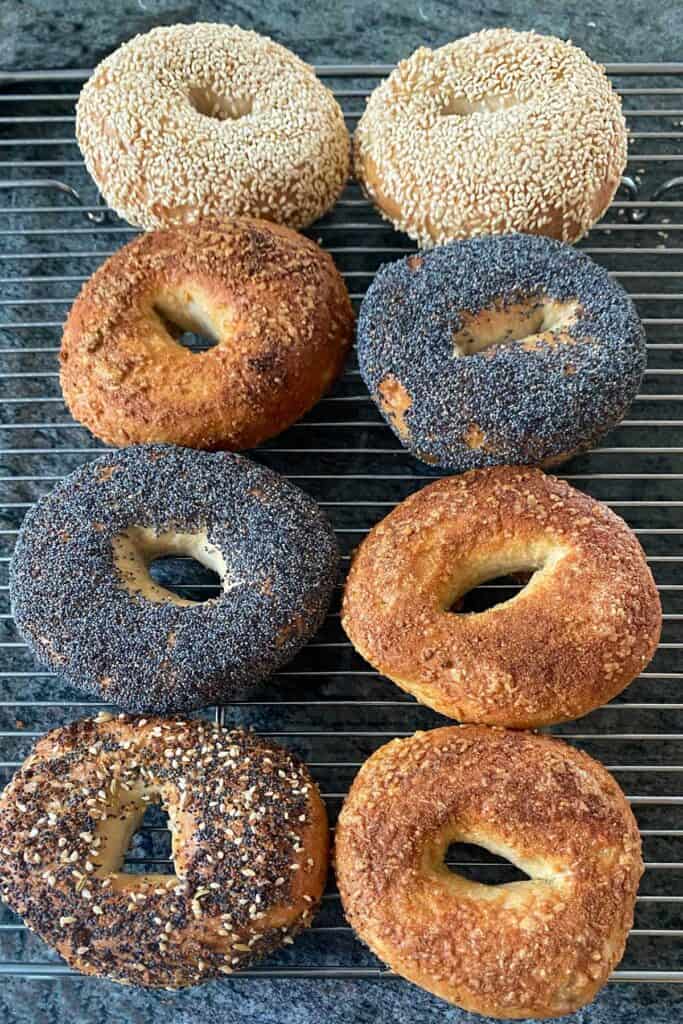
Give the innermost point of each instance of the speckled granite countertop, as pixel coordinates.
(77, 33)
(38, 34)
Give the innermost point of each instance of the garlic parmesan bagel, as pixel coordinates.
(537, 948)
(191, 121)
(271, 300)
(587, 622)
(249, 844)
(500, 131)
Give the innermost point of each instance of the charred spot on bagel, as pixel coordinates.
(268, 362)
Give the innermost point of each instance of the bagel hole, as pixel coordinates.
(492, 592)
(523, 322)
(169, 567)
(477, 864)
(196, 342)
(211, 104)
(185, 577)
(149, 849)
(460, 106)
(186, 327)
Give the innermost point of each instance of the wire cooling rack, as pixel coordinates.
(328, 704)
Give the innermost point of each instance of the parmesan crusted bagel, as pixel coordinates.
(196, 120)
(585, 625)
(538, 948)
(273, 302)
(249, 844)
(499, 131)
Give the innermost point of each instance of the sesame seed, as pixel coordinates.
(479, 136)
(236, 148)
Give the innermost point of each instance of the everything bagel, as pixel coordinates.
(249, 844)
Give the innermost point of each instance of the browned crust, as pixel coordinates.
(285, 321)
(395, 403)
(530, 949)
(250, 847)
(568, 643)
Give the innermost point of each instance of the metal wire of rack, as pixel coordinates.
(328, 704)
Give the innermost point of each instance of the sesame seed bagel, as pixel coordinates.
(190, 121)
(271, 300)
(500, 349)
(84, 600)
(537, 948)
(587, 622)
(249, 844)
(499, 131)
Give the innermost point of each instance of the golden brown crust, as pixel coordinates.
(249, 834)
(527, 949)
(587, 623)
(273, 299)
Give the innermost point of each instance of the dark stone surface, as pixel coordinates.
(56, 34)
(73, 34)
(298, 1002)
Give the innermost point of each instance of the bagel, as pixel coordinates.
(249, 834)
(587, 622)
(85, 603)
(537, 948)
(191, 121)
(500, 131)
(496, 350)
(273, 303)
